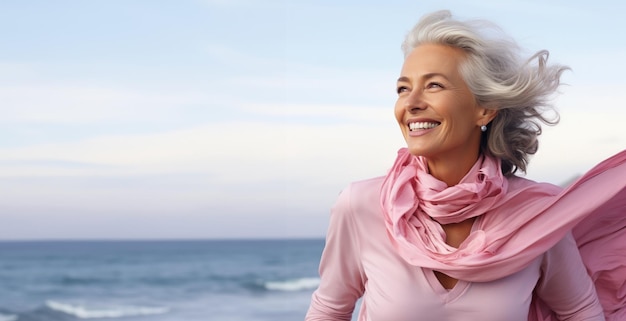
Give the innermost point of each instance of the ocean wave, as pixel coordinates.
(8, 317)
(113, 312)
(74, 280)
(293, 285)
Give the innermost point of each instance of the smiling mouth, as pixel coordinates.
(422, 125)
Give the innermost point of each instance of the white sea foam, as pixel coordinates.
(293, 285)
(112, 312)
(8, 317)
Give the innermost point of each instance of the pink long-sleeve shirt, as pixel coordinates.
(359, 261)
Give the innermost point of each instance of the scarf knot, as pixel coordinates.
(409, 188)
(482, 187)
(415, 203)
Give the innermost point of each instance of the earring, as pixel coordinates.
(483, 128)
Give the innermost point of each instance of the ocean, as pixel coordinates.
(221, 280)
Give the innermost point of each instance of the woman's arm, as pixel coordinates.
(565, 285)
(342, 277)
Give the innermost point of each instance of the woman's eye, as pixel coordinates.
(402, 89)
(434, 85)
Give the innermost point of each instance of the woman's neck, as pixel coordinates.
(451, 170)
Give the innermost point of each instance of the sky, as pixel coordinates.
(197, 119)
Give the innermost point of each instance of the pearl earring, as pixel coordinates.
(483, 128)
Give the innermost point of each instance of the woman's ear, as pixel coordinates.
(486, 116)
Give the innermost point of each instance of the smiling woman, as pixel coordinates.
(437, 112)
(451, 233)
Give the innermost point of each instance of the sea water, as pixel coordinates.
(221, 280)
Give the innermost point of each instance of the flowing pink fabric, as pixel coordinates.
(601, 240)
(520, 221)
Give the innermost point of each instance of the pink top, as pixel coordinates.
(359, 261)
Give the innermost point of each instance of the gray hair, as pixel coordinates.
(499, 79)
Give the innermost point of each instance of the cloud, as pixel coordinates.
(66, 104)
(257, 149)
(582, 139)
(379, 116)
(16, 71)
(345, 86)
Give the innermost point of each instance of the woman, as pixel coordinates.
(451, 233)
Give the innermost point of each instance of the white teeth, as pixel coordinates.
(422, 125)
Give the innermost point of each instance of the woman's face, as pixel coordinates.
(436, 111)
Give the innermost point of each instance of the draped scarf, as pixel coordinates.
(519, 219)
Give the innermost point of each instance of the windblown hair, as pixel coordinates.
(499, 79)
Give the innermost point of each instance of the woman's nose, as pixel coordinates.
(415, 102)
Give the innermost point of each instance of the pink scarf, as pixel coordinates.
(518, 219)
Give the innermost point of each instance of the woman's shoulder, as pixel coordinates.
(362, 191)
(360, 200)
(367, 186)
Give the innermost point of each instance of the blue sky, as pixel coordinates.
(217, 118)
